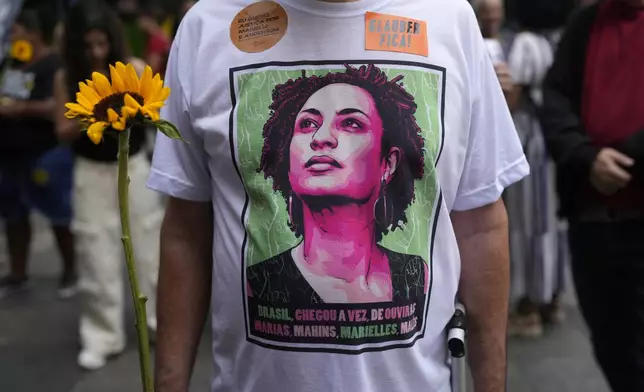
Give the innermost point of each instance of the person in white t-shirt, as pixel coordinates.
(339, 192)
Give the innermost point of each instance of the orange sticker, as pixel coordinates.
(392, 33)
(258, 27)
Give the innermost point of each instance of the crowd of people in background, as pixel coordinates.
(46, 166)
(575, 86)
(523, 51)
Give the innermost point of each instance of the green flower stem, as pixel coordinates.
(138, 298)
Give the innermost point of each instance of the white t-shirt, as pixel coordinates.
(311, 151)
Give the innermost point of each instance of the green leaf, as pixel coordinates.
(168, 129)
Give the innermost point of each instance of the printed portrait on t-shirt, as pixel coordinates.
(338, 163)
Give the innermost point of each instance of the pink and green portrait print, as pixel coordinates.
(339, 167)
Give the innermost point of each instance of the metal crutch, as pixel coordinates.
(456, 345)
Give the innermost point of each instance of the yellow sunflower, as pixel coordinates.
(125, 101)
(22, 50)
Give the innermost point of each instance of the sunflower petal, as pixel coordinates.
(118, 85)
(71, 114)
(121, 69)
(81, 100)
(151, 113)
(132, 79)
(129, 112)
(119, 125)
(164, 94)
(156, 104)
(78, 109)
(95, 131)
(158, 83)
(146, 83)
(112, 116)
(131, 102)
(157, 87)
(101, 84)
(88, 91)
(90, 84)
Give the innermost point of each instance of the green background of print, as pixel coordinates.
(267, 215)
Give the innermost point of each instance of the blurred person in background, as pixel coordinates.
(180, 11)
(93, 39)
(128, 12)
(35, 171)
(491, 16)
(593, 120)
(9, 9)
(537, 236)
(156, 53)
(157, 45)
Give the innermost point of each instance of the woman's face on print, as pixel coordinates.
(336, 149)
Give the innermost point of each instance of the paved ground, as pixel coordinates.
(38, 347)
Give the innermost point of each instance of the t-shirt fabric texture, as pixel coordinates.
(28, 137)
(316, 135)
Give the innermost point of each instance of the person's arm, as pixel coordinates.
(508, 85)
(184, 291)
(493, 161)
(66, 130)
(513, 98)
(565, 137)
(484, 289)
(180, 170)
(19, 108)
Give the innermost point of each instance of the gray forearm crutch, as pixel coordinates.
(456, 331)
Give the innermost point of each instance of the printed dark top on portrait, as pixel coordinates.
(278, 280)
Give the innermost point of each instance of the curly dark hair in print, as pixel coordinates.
(396, 108)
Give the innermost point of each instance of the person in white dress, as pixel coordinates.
(537, 237)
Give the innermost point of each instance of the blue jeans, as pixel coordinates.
(43, 183)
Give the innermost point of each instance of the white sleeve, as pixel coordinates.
(494, 157)
(179, 169)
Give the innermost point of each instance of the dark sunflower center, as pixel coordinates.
(115, 101)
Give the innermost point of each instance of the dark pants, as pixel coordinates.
(608, 270)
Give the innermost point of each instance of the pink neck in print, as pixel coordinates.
(340, 242)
